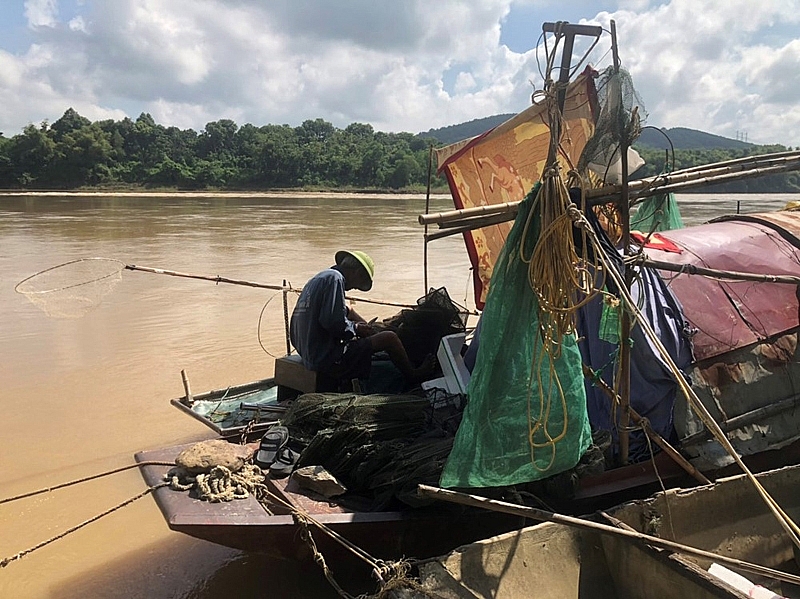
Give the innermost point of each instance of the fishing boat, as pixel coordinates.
(763, 400)
(242, 413)
(724, 524)
(247, 525)
(733, 336)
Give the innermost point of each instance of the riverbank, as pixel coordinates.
(289, 195)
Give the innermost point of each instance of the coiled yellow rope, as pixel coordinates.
(563, 279)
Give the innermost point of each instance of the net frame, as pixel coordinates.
(73, 288)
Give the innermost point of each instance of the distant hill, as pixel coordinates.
(688, 139)
(454, 133)
(682, 138)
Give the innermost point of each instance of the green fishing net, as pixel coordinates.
(514, 429)
(657, 213)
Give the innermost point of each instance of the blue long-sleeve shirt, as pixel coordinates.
(319, 325)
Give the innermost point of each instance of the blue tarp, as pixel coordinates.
(652, 387)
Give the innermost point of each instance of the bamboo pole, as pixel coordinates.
(709, 170)
(545, 516)
(220, 279)
(214, 278)
(440, 217)
(692, 269)
(488, 221)
(188, 398)
(740, 168)
(286, 331)
(624, 372)
(722, 178)
(744, 159)
(427, 209)
(645, 424)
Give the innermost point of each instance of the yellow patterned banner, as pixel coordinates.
(503, 164)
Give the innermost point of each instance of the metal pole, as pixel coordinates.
(568, 31)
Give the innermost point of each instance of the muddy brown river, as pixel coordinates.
(80, 396)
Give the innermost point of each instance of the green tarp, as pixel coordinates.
(510, 421)
(657, 213)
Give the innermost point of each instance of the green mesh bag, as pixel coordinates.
(492, 447)
(657, 213)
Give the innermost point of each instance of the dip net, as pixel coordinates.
(621, 114)
(72, 289)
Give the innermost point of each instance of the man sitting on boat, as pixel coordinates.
(333, 339)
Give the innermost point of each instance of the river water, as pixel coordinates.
(80, 396)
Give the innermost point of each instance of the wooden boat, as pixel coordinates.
(228, 412)
(559, 561)
(246, 525)
(245, 411)
(747, 382)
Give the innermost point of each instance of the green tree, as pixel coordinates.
(82, 157)
(31, 154)
(405, 171)
(69, 122)
(217, 140)
(280, 158)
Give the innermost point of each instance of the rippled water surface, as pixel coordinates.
(80, 396)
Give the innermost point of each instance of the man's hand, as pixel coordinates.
(363, 329)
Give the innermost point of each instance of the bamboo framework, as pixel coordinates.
(458, 221)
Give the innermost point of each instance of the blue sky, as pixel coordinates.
(723, 66)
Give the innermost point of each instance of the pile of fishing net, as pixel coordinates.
(379, 446)
(422, 327)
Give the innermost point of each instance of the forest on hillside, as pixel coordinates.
(659, 161)
(76, 153)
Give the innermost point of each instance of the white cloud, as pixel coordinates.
(715, 65)
(705, 68)
(41, 13)
(465, 82)
(77, 24)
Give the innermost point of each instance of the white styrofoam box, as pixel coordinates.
(437, 383)
(455, 372)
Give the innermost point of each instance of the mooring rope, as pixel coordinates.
(221, 484)
(21, 554)
(384, 571)
(147, 491)
(84, 479)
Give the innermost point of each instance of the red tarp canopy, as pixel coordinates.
(729, 315)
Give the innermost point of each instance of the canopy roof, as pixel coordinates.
(729, 315)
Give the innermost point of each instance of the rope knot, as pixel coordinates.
(387, 571)
(574, 213)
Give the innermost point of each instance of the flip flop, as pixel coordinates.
(273, 441)
(284, 463)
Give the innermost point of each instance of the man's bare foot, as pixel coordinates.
(425, 370)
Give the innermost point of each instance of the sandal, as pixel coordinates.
(273, 441)
(284, 463)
